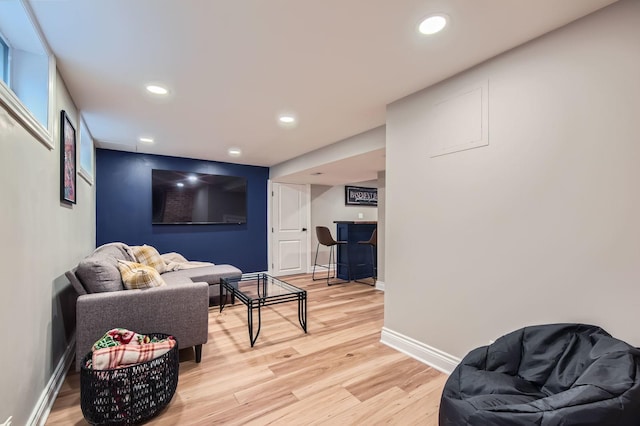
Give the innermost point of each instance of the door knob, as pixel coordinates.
(304, 229)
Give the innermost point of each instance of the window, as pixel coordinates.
(86, 153)
(4, 61)
(27, 70)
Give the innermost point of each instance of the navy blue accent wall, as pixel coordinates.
(123, 210)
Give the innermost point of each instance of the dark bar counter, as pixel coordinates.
(359, 255)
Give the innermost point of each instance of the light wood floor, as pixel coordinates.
(338, 374)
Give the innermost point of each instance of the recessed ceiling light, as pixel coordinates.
(192, 178)
(287, 119)
(234, 152)
(433, 24)
(157, 90)
(146, 140)
(179, 184)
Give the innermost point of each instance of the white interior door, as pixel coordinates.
(290, 229)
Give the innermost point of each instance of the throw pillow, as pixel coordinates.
(149, 256)
(99, 274)
(139, 276)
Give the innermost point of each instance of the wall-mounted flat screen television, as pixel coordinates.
(197, 198)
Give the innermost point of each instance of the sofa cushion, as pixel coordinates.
(139, 276)
(148, 255)
(99, 274)
(208, 274)
(174, 279)
(214, 274)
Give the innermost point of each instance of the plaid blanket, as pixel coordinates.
(120, 336)
(120, 347)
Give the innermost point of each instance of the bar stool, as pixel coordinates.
(372, 243)
(324, 237)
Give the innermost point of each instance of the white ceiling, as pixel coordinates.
(355, 169)
(233, 65)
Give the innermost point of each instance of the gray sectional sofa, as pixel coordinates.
(179, 308)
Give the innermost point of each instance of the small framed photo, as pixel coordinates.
(67, 159)
(360, 196)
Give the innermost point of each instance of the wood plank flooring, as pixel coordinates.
(337, 374)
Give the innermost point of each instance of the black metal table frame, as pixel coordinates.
(227, 285)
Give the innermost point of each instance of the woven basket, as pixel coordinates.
(129, 395)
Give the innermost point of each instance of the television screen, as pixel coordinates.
(197, 198)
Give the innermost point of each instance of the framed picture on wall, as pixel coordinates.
(360, 196)
(67, 159)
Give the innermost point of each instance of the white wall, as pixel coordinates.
(327, 206)
(540, 226)
(41, 239)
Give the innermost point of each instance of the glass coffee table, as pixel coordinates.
(259, 290)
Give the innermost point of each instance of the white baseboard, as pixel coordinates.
(380, 285)
(424, 353)
(47, 398)
(321, 269)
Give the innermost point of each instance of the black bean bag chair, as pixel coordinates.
(557, 374)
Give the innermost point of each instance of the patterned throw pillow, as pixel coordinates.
(139, 276)
(149, 256)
